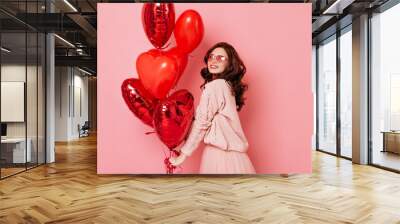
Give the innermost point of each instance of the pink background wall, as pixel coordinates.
(274, 41)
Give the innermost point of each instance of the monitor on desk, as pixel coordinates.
(3, 130)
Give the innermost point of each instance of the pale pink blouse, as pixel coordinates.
(216, 120)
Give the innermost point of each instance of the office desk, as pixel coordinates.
(13, 150)
(391, 141)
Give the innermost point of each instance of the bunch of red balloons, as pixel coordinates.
(159, 71)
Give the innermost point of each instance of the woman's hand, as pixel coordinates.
(176, 161)
(179, 147)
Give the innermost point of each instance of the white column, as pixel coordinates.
(360, 90)
(50, 92)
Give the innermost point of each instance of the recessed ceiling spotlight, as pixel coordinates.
(84, 71)
(5, 50)
(337, 7)
(70, 5)
(64, 40)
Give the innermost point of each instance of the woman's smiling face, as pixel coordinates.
(217, 61)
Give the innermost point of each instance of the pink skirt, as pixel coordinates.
(219, 161)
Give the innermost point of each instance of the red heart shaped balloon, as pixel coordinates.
(173, 117)
(139, 101)
(189, 31)
(158, 22)
(157, 72)
(181, 60)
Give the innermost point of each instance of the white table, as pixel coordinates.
(19, 155)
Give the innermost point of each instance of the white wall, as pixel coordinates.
(71, 93)
(62, 81)
(83, 83)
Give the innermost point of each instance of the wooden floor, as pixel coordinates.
(5, 172)
(70, 191)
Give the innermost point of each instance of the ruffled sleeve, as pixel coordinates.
(208, 106)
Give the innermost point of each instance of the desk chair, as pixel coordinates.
(84, 130)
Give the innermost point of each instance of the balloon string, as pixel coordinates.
(166, 162)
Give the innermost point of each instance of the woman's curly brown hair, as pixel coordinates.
(233, 73)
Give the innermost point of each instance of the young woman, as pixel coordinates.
(216, 119)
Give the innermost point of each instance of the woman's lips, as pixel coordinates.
(213, 66)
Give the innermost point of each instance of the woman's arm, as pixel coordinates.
(205, 112)
(200, 125)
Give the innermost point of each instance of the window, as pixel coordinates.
(327, 95)
(385, 89)
(346, 92)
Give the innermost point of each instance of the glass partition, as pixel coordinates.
(22, 77)
(14, 153)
